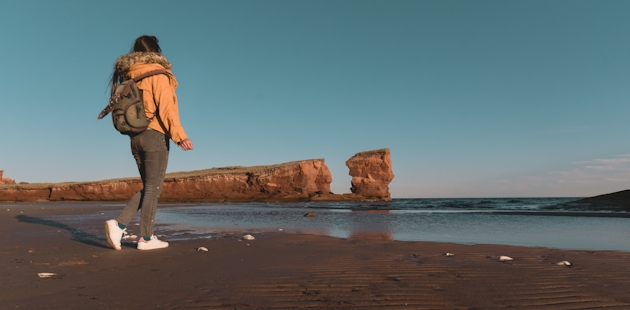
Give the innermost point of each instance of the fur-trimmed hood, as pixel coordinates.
(125, 62)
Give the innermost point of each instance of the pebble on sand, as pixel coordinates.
(310, 214)
(504, 258)
(248, 237)
(204, 249)
(564, 263)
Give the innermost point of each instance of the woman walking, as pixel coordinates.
(150, 147)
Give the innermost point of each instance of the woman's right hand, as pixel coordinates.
(186, 145)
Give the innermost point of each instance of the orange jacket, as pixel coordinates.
(158, 94)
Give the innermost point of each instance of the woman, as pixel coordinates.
(150, 147)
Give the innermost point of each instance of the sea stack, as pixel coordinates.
(371, 173)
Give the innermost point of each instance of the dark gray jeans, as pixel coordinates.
(150, 149)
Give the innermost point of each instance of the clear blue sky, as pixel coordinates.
(474, 98)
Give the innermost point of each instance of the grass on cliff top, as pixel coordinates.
(172, 175)
(373, 152)
(235, 169)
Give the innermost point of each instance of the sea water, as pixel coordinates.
(533, 222)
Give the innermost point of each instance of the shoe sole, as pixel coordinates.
(109, 238)
(164, 247)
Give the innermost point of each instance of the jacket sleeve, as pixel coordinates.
(168, 112)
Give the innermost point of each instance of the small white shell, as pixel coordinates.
(248, 237)
(449, 254)
(46, 274)
(564, 263)
(504, 258)
(202, 249)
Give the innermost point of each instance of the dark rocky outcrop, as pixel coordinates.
(617, 201)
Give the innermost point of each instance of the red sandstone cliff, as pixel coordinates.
(294, 181)
(371, 173)
(5, 180)
(291, 181)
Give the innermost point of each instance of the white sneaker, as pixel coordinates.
(114, 233)
(152, 244)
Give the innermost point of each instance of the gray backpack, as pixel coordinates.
(126, 106)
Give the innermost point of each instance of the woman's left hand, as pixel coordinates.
(186, 145)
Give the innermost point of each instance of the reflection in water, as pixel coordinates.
(371, 211)
(449, 225)
(510, 221)
(523, 221)
(371, 235)
(364, 226)
(317, 232)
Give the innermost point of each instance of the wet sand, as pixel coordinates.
(290, 271)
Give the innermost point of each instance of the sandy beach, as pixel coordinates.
(289, 271)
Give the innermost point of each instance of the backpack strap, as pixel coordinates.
(137, 79)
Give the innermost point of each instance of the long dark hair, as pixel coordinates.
(142, 44)
(147, 44)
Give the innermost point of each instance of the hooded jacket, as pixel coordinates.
(158, 91)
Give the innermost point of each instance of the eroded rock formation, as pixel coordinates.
(293, 181)
(305, 180)
(371, 173)
(5, 180)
